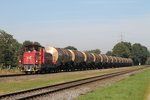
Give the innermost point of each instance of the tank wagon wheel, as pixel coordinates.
(29, 72)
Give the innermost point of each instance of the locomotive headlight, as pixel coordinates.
(20, 61)
(36, 61)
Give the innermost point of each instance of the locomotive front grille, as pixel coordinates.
(30, 68)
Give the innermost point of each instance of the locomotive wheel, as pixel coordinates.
(28, 72)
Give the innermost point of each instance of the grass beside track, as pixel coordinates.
(132, 88)
(15, 85)
(9, 71)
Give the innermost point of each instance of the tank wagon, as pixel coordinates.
(37, 59)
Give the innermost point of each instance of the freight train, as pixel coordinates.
(37, 59)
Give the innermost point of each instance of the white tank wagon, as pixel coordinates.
(97, 61)
(61, 58)
(111, 61)
(104, 61)
(78, 59)
(89, 57)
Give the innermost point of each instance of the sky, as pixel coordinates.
(84, 24)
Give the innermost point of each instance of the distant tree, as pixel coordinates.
(27, 42)
(109, 53)
(139, 53)
(122, 49)
(70, 47)
(148, 61)
(36, 43)
(9, 49)
(96, 51)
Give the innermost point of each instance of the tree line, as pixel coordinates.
(137, 52)
(10, 49)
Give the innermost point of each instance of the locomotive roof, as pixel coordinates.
(33, 45)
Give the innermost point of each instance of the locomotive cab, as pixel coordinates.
(32, 58)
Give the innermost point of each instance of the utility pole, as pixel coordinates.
(121, 36)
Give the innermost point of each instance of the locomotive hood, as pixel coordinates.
(29, 58)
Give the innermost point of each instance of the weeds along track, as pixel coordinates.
(36, 92)
(23, 74)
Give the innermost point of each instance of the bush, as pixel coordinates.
(148, 61)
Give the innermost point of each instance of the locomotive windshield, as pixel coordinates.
(32, 48)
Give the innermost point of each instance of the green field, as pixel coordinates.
(132, 88)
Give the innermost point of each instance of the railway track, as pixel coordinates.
(36, 92)
(16, 75)
(11, 75)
